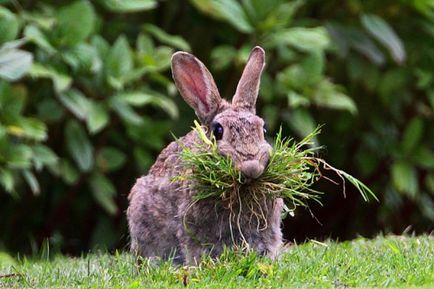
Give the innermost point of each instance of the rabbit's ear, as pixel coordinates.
(196, 85)
(248, 86)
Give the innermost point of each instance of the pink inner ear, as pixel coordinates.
(193, 83)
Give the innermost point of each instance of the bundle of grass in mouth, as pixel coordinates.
(292, 169)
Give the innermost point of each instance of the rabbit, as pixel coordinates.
(163, 221)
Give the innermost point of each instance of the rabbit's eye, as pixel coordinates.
(217, 131)
(265, 128)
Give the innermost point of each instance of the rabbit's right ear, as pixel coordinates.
(248, 86)
(196, 85)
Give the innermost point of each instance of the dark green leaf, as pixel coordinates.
(392, 82)
(302, 122)
(167, 105)
(50, 110)
(155, 61)
(223, 56)
(103, 192)
(329, 95)
(297, 100)
(76, 102)
(60, 80)
(79, 146)
(67, 171)
(101, 45)
(233, 12)
(14, 63)
(9, 25)
(162, 57)
(32, 181)
(404, 178)
(171, 40)
(305, 39)
(110, 159)
(363, 44)
(83, 58)
(229, 10)
(119, 62)
(145, 44)
(97, 118)
(74, 23)
(141, 98)
(423, 157)
(143, 159)
(293, 77)
(125, 111)
(12, 100)
(33, 34)
(45, 21)
(125, 6)
(257, 10)
(43, 155)
(206, 6)
(19, 156)
(7, 180)
(382, 31)
(135, 98)
(280, 16)
(412, 135)
(33, 128)
(313, 66)
(338, 35)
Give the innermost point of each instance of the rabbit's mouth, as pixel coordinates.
(251, 169)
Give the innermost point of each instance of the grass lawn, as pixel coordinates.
(406, 262)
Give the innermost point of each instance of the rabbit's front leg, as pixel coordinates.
(269, 241)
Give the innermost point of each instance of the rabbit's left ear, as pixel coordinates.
(196, 85)
(248, 86)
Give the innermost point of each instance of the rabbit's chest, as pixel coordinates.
(211, 222)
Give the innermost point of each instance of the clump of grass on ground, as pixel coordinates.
(292, 169)
(384, 262)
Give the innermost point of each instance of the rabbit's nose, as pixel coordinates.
(251, 169)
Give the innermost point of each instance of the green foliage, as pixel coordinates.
(385, 262)
(9, 25)
(68, 131)
(86, 102)
(67, 31)
(129, 5)
(14, 62)
(380, 30)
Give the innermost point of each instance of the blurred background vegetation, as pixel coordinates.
(87, 102)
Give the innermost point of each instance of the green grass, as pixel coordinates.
(292, 169)
(405, 262)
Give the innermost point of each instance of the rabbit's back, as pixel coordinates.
(153, 213)
(152, 217)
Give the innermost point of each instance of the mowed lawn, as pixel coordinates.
(406, 262)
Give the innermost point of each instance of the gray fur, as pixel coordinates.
(163, 220)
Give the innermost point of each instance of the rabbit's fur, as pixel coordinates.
(163, 221)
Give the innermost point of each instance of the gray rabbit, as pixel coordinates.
(163, 220)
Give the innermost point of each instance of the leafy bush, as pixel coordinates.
(88, 106)
(86, 102)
